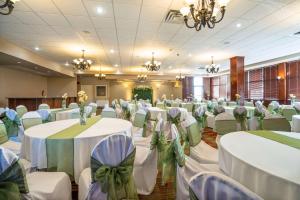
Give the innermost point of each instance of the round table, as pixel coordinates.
(34, 146)
(296, 123)
(268, 168)
(154, 111)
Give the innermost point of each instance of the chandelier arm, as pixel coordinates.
(223, 14)
(5, 4)
(212, 6)
(210, 24)
(192, 11)
(198, 27)
(187, 24)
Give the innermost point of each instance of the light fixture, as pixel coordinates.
(190, 55)
(100, 75)
(7, 6)
(212, 68)
(112, 51)
(279, 78)
(152, 65)
(116, 65)
(67, 63)
(204, 13)
(180, 77)
(36, 48)
(238, 25)
(82, 63)
(142, 77)
(99, 10)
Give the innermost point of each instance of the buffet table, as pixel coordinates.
(267, 167)
(55, 147)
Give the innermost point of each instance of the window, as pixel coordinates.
(220, 86)
(198, 88)
(293, 78)
(254, 83)
(271, 83)
(216, 87)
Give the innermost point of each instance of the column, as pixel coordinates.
(237, 76)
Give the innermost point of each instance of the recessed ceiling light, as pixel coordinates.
(238, 25)
(19, 62)
(170, 67)
(112, 51)
(116, 65)
(99, 10)
(36, 48)
(86, 32)
(67, 63)
(190, 55)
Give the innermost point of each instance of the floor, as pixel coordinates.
(166, 192)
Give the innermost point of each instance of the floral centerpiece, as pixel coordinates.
(125, 110)
(64, 101)
(293, 98)
(259, 113)
(237, 99)
(240, 114)
(82, 98)
(218, 110)
(200, 116)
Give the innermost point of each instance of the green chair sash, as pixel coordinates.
(12, 126)
(283, 139)
(13, 182)
(3, 133)
(116, 181)
(60, 147)
(173, 155)
(194, 134)
(159, 142)
(192, 194)
(201, 120)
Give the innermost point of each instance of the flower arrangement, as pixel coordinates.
(237, 99)
(125, 110)
(200, 116)
(82, 98)
(293, 98)
(218, 110)
(240, 114)
(259, 113)
(64, 100)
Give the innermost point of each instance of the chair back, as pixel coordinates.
(45, 115)
(188, 106)
(94, 107)
(112, 154)
(108, 113)
(249, 104)
(193, 131)
(88, 110)
(44, 106)
(3, 133)
(12, 127)
(21, 110)
(175, 104)
(288, 112)
(140, 118)
(225, 123)
(160, 105)
(276, 123)
(73, 105)
(215, 186)
(231, 103)
(31, 119)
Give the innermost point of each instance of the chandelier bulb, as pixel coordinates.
(184, 11)
(190, 2)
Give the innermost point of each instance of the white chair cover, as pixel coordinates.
(44, 106)
(30, 119)
(73, 105)
(44, 113)
(88, 110)
(109, 112)
(110, 151)
(215, 186)
(225, 123)
(210, 120)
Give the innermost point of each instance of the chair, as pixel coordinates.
(37, 185)
(12, 122)
(175, 104)
(225, 123)
(111, 154)
(142, 127)
(215, 186)
(44, 106)
(249, 104)
(94, 106)
(88, 110)
(188, 106)
(160, 105)
(288, 112)
(108, 113)
(45, 115)
(73, 105)
(199, 150)
(231, 103)
(276, 123)
(31, 119)
(21, 110)
(13, 146)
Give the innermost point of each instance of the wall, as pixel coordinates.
(57, 86)
(118, 89)
(16, 83)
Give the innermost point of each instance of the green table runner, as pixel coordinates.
(283, 139)
(60, 147)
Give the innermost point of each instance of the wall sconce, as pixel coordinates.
(279, 78)
(157, 85)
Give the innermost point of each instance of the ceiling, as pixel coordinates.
(135, 28)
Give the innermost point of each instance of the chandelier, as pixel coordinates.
(142, 77)
(152, 65)
(180, 77)
(212, 68)
(7, 6)
(100, 75)
(82, 63)
(204, 13)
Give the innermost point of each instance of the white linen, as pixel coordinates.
(34, 147)
(266, 167)
(296, 123)
(63, 115)
(154, 111)
(210, 120)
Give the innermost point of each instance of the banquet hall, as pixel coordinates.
(149, 99)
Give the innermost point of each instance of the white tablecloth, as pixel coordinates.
(296, 123)
(154, 111)
(63, 115)
(268, 168)
(34, 144)
(250, 110)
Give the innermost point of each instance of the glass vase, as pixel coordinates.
(82, 116)
(64, 104)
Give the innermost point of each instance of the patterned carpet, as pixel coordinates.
(166, 192)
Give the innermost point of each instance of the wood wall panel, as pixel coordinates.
(237, 77)
(187, 87)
